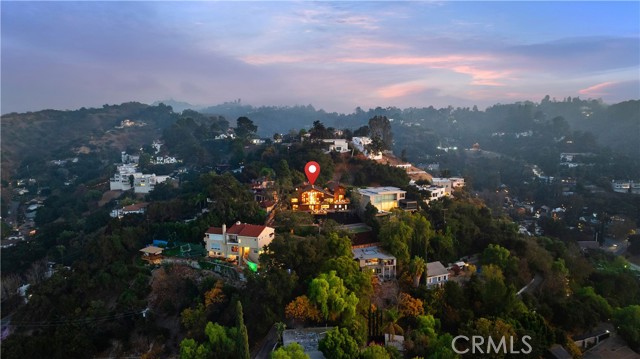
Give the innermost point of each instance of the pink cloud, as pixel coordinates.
(455, 63)
(597, 90)
(399, 90)
(415, 60)
(276, 59)
(482, 77)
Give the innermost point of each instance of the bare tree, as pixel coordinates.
(10, 284)
(36, 273)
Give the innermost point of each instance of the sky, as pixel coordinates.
(333, 55)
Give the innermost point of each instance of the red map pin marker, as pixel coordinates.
(312, 169)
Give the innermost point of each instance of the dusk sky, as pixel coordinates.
(333, 55)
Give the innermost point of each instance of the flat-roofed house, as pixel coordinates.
(374, 259)
(383, 198)
(337, 145)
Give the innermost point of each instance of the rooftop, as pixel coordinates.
(241, 229)
(371, 253)
(373, 191)
(153, 250)
(436, 268)
(246, 230)
(135, 207)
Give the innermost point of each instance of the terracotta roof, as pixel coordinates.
(135, 207)
(214, 230)
(246, 230)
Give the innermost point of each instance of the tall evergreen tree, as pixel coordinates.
(242, 344)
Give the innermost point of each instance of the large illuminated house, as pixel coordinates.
(241, 242)
(319, 200)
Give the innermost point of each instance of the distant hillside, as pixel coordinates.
(616, 126)
(51, 134)
(178, 106)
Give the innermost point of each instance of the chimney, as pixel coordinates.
(224, 229)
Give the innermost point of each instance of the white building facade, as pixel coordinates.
(239, 242)
(337, 145)
(360, 143)
(437, 274)
(383, 198)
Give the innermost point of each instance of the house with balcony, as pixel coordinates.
(374, 259)
(238, 243)
(318, 200)
(383, 198)
(435, 193)
(142, 183)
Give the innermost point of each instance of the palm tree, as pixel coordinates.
(417, 267)
(392, 327)
(280, 327)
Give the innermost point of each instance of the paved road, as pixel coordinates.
(535, 282)
(266, 345)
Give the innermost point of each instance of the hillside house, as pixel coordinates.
(152, 254)
(315, 199)
(383, 198)
(437, 274)
(449, 184)
(138, 208)
(337, 145)
(435, 193)
(361, 143)
(142, 183)
(126, 158)
(374, 259)
(240, 242)
(147, 182)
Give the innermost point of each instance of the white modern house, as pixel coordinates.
(127, 158)
(626, 186)
(435, 192)
(159, 160)
(120, 180)
(448, 183)
(239, 242)
(383, 198)
(360, 143)
(437, 274)
(142, 183)
(337, 145)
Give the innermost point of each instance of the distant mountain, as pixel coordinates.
(178, 106)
